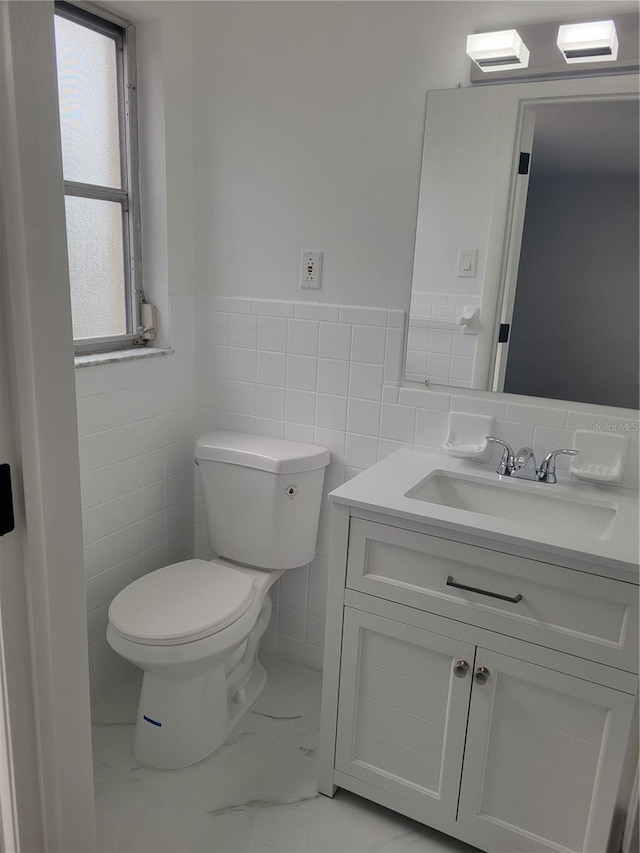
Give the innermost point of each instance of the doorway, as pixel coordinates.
(571, 300)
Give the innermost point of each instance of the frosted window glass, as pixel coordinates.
(87, 91)
(96, 267)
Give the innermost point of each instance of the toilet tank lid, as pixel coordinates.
(261, 451)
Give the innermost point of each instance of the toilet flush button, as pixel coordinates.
(291, 490)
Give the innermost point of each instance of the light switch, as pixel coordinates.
(467, 263)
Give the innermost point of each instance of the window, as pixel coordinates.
(96, 90)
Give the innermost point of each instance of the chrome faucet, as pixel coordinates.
(522, 465)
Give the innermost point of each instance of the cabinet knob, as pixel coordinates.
(481, 675)
(461, 668)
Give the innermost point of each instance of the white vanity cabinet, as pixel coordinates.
(488, 694)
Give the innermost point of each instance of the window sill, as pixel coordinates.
(119, 355)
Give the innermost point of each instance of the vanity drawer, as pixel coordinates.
(571, 611)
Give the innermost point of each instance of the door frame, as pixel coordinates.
(516, 212)
(46, 437)
(514, 241)
(20, 817)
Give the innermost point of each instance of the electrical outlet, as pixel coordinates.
(311, 270)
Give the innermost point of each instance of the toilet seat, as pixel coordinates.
(181, 603)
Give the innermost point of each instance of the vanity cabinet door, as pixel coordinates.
(543, 757)
(403, 710)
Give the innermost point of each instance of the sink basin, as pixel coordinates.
(520, 501)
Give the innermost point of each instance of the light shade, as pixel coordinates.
(498, 51)
(593, 42)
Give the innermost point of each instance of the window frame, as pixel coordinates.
(128, 196)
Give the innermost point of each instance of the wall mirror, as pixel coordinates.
(526, 260)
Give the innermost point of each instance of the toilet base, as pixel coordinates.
(182, 722)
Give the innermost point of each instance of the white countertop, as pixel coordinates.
(383, 487)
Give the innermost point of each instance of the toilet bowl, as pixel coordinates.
(201, 675)
(194, 627)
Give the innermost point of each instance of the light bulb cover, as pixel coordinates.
(498, 51)
(595, 41)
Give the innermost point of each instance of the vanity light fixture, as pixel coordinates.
(596, 41)
(498, 51)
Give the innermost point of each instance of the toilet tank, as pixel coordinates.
(262, 497)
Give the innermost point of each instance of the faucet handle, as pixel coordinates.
(506, 462)
(547, 472)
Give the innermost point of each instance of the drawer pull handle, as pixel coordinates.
(461, 668)
(482, 675)
(515, 599)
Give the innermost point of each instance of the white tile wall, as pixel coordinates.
(318, 373)
(437, 349)
(335, 381)
(136, 422)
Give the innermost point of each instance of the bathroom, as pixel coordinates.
(265, 129)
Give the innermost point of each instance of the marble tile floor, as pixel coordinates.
(257, 793)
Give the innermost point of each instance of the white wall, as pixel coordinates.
(136, 419)
(299, 125)
(309, 129)
(308, 134)
(462, 132)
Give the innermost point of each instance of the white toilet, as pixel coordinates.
(194, 627)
